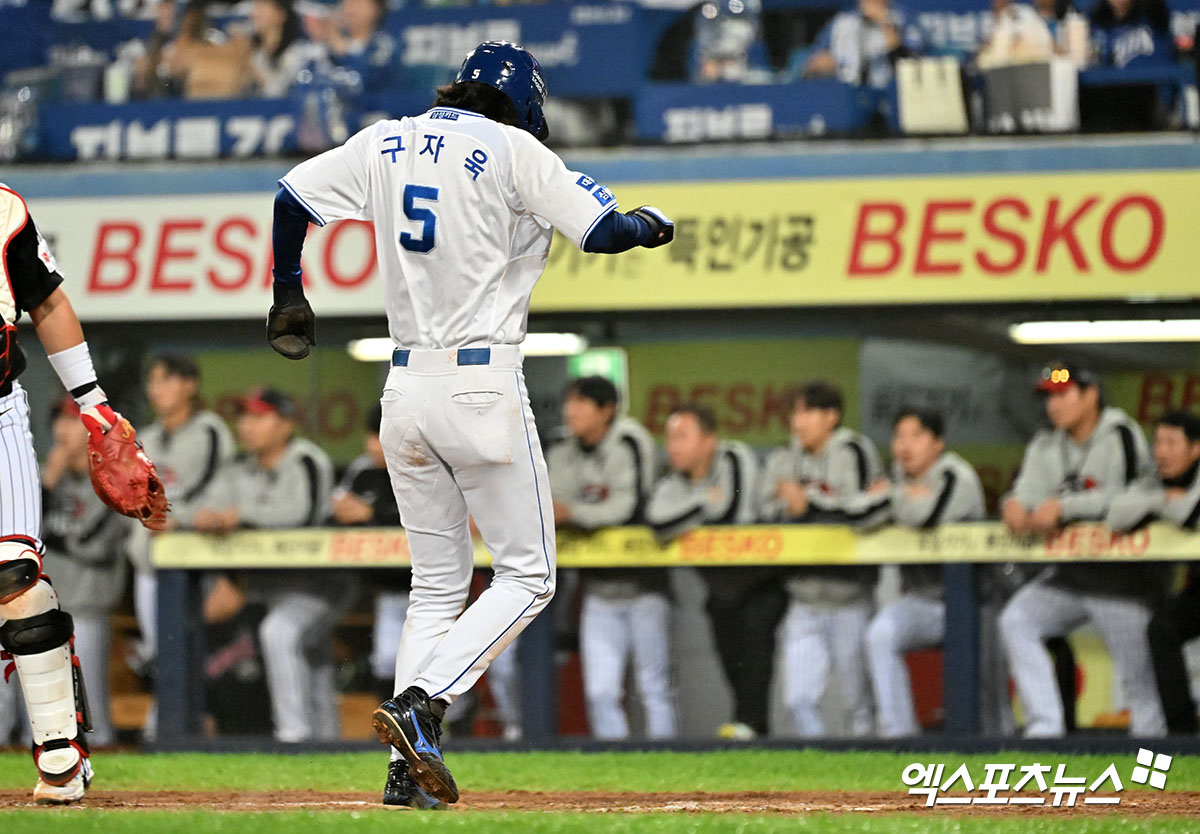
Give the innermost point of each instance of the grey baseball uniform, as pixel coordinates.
(302, 606)
(626, 614)
(188, 461)
(917, 619)
(830, 607)
(1114, 598)
(1147, 500)
(85, 543)
(744, 603)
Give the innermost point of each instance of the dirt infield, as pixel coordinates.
(1140, 803)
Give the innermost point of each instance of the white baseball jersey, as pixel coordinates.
(464, 211)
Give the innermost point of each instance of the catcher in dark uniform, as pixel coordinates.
(35, 633)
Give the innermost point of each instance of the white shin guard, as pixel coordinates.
(34, 623)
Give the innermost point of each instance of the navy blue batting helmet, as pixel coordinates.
(513, 71)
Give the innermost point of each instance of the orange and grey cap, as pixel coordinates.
(1058, 376)
(265, 400)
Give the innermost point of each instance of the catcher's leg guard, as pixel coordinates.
(38, 635)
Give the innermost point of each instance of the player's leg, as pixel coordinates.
(487, 435)
(910, 622)
(35, 631)
(995, 702)
(650, 624)
(294, 622)
(1037, 611)
(604, 644)
(806, 663)
(1175, 622)
(436, 523)
(848, 662)
(1122, 624)
(762, 605)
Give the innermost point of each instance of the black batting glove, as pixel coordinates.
(662, 230)
(291, 325)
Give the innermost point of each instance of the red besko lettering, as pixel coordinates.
(886, 238)
(1055, 231)
(931, 234)
(116, 243)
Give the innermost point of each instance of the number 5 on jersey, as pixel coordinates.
(424, 216)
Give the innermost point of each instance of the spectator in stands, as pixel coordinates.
(863, 45)
(364, 497)
(600, 476)
(930, 486)
(281, 482)
(1018, 35)
(822, 476)
(278, 48)
(189, 445)
(353, 39)
(1127, 30)
(190, 57)
(1173, 495)
(728, 45)
(712, 481)
(1125, 34)
(1072, 473)
(85, 544)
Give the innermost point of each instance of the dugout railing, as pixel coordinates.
(180, 558)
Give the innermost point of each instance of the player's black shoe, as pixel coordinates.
(401, 790)
(412, 723)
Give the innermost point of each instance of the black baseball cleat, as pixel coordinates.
(400, 790)
(412, 723)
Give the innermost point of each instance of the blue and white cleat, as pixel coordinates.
(412, 724)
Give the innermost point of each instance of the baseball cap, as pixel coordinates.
(1058, 376)
(264, 400)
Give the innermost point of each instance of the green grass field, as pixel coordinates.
(740, 771)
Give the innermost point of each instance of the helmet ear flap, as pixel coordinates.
(537, 122)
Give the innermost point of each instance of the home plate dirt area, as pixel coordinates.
(1140, 803)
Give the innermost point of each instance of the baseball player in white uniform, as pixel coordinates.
(465, 200)
(36, 635)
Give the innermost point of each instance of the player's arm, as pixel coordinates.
(645, 226)
(61, 335)
(1139, 503)
(291, 325)
(1119, 461)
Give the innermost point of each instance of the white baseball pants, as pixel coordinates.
(1040, 610)
(818, 641)
(460, 439)
(611, 633)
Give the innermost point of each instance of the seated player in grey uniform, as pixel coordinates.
(1072, 473)
(819, 477)
(1172, 494)
(600, 476)
(85, 552)
(712, 481)
(189, 445)
(930, 486)
(283, 481)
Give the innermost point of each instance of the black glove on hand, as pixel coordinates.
(662, 230)
(291, 325)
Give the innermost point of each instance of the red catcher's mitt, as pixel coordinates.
(122, 475)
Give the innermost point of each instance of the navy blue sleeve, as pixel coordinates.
(287, 237)
(617, 233)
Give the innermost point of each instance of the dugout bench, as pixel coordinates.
(180, 557)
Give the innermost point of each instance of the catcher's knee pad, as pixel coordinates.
(20, 567)
(36, 599)
(37, 634)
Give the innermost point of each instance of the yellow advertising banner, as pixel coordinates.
(898, 240)
(800, 544)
